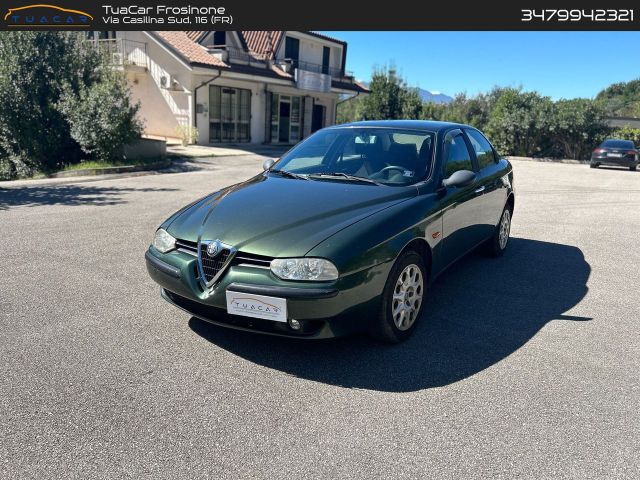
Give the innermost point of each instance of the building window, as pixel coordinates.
(101, 35)
(292, 50)
(229, 114)
(219, 39)
(326, 59)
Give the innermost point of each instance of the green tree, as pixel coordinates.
(387, 98)
(38, 69)
(473, 111)
(101, 116)
(348, 109)
(578, 125)
(621, 99)
(520, 123)
(411, 103)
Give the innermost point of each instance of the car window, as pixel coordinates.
(484, 152)
(618, 144)
(388, 156)
(457, 156)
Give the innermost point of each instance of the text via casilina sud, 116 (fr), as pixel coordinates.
(165, 15)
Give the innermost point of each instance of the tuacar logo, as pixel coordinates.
(44, 15)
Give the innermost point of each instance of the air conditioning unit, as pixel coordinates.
(117, 58)
(165, 81)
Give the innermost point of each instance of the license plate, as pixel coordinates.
(257, 306)
(618, 155)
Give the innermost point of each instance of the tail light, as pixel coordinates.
(599, 150)
(631, 152)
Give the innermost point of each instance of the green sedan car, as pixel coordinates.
(344, 233)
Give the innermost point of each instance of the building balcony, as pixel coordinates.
(238, 56)
(121, 52)
(290, 65)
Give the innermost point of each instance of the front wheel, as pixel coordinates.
(633, 167)
(402, 299)
(497, 244)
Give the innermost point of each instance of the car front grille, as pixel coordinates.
(187, 247)
(212, 265)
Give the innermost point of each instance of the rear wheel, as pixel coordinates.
(633, 167)
(593, 165)
(497, 244)
(402, 299)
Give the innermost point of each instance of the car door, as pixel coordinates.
(491, 194)
(460, 204)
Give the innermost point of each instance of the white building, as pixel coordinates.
(251, 86)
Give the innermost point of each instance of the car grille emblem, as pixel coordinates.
(213, 249)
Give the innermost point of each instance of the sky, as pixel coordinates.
(556, 64)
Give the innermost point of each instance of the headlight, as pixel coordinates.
(163, 241)
(317, 269)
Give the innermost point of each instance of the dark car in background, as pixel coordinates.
(344, 233)
(617, 153)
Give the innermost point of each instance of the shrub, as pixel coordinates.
(101, 117)
(520, 123)
(627, 133)
(187, 133)
(45, 80)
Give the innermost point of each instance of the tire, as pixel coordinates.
(407, 278)
(496, 245)
(633, 167)
(593, 165)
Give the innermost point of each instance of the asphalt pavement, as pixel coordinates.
(525, 366)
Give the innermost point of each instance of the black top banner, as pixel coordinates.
(322, 15)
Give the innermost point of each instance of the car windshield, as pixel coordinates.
(381, 155)
(617, 144)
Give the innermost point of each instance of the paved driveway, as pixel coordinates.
(525, 366)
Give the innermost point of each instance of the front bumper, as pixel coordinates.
(324, 310)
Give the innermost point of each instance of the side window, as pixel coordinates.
(457, 156)
(482, 147)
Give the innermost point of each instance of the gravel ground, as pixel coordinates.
(525, 366)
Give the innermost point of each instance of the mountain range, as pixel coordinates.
(427, 96)
(434, 97)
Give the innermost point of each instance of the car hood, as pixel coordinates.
(281, 217)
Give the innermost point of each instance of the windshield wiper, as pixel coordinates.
(284, 173)
(346, 176)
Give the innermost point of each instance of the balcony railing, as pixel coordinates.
(317, 68)
(238, 56)
(122, 52)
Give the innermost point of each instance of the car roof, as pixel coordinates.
(427, 125)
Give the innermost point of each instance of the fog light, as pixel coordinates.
(294, 324)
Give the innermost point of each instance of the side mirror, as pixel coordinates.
(461, 178)
(267, 164)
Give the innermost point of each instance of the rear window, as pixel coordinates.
(617, 144)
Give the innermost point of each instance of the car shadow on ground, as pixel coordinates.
(75, 194)
(478, 312)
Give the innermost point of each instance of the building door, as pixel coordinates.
(285, 116)
(326, 59)
(292, 50)
(317, 118)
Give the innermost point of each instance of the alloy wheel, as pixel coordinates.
(407, 297)
(505, 227)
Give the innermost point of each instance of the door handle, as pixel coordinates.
(480, 189)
